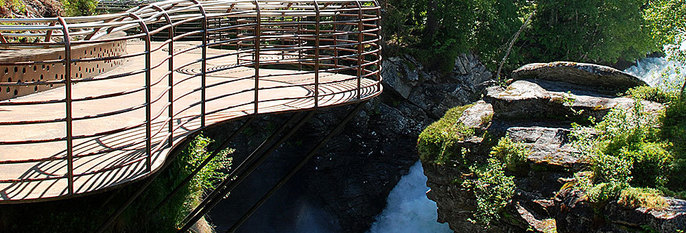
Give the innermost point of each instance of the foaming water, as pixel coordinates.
(408, 209)
(658, 72)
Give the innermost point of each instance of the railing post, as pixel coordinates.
(68, 105)
(258, 32)
(203, 91)
(204, 69)
(170, 76)
(316, 54)
(148, 94)
(335, 44)
(300, 44)
(378, 53)
(360, 49)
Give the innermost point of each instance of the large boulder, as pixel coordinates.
(590, 75)
(537, 99)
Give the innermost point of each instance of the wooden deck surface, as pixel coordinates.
(113, 159)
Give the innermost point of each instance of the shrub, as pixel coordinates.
(674, 129)
(604, 192)
(654, 94)
(492, 189)
(608, 168)
(642, 197)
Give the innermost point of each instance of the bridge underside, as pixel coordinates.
(32, 172)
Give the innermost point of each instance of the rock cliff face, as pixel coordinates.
(537, 110)
(351, 177)
(355, 173)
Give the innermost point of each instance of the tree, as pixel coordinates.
(591, 30)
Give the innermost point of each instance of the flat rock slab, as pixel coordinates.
(549, 146)
(591, 75)
(542, 99)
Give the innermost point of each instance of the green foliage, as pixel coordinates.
(492, 189)
(590, 31)
(437, 31)
(634, 153)
(585, 31)
(608, 168)
(436, 144)
(604, 192)
(666, 17)
(642, 197)
(628, 148)
(655, 94)
(79, 7)
(512, 154)
(13, 5)
(674, 129)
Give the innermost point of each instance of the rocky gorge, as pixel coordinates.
(348, 181)
(537, 111)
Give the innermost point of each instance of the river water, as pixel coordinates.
(408, 210)
(658, 72)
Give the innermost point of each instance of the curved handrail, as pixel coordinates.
(78, 133)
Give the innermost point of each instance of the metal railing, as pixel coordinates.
(330, 48)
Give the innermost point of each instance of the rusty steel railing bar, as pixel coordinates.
(170, 75)
(258, 34)
(360, 48)
(299, 38)
(221, 147)
(297, 168)
(233, 183)
(203, 80)
(68, 105)
(148, 87)
(316, 54)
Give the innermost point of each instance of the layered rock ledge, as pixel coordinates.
(537, 110)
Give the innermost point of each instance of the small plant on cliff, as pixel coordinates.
(655, 94)
(512, 154)
(492, 189)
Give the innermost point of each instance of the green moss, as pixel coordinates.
(642, 197)
(512, 154)
(438, 142)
